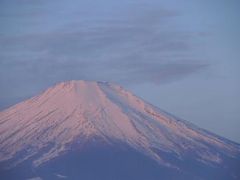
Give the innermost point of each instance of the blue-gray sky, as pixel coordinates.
(182, 56)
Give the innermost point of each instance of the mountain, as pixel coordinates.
(98, 130)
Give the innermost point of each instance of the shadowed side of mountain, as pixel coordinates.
(97, 160)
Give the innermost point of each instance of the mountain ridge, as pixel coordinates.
(63, 117)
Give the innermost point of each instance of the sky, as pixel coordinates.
(182, 56)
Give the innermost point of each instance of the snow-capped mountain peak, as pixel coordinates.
(71, 113)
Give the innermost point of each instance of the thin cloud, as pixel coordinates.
(136, 46)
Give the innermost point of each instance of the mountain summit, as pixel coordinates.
(102, 131)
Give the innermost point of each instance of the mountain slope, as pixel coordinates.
(77, 117)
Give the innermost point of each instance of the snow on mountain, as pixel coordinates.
(77, 111)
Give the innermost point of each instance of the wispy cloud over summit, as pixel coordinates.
(46, 42)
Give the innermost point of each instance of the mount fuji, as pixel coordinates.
(100, 131)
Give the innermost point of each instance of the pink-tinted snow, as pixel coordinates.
(82, 110)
